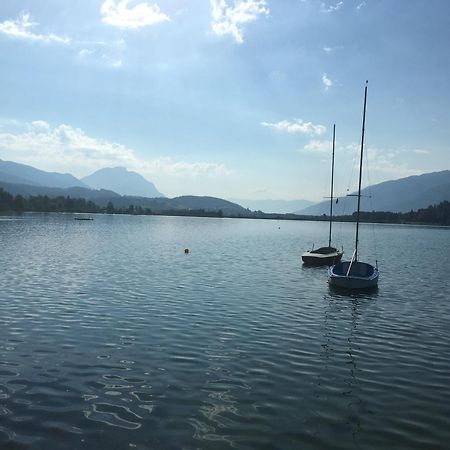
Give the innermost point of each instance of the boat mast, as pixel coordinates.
(360, 172)
(331, 195)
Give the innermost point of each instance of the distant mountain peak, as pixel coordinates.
(123, 181)
(21, 173)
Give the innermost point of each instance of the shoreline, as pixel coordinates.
(217, 215)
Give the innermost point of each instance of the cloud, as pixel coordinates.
(228, 19)
(332, 49)
(170, 166)
(67, 149)
(39, 125)
(24, 28)
(21, 29)
(361, 5)
(318, 146)
(85, 52)
(331, 8)
(297, 127)
(385, 164)
(117, 13)
(109, 55)
(327, 82)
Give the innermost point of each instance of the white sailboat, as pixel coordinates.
(354, 274)
(325, 256)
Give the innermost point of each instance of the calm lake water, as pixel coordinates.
(111, 337)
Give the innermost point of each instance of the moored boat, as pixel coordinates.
(323, 256)
(354, 274)
(328, 255)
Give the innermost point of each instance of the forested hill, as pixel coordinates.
(101, 201)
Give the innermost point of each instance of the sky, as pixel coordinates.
(230, 98)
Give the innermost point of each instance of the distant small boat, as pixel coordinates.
(83, 218)
(325, 256)
(355, 275)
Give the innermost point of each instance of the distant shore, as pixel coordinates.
(367, 217)
(433, 215)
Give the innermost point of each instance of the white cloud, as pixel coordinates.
(228, 19)
(118, 14)
(39, 125)
(109, 55)
(318, 146)
(326, 82)
(380, 164)
(170, 166)
(67, 149)
(331, 8)
(388, 163)
(297, 127)
(361, 5)
(85, 52)
(332, 49)
(21, 29)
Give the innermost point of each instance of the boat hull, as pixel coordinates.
(361, 276)
(325, 256)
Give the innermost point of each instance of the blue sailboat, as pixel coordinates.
(355, 274)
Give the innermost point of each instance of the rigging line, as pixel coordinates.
(369, 181)
(347, 201)
(355, 162)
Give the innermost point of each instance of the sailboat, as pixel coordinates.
(325, 255)
(354, 274)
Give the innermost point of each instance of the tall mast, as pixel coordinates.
(360, 172)
(331, 195)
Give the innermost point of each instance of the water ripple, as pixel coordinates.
(112, 337)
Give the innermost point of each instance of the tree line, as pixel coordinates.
(434, 214)
(43, 203)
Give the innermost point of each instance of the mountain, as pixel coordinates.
(11, 172)
(401, 195)
(122, 181)
(274, 206)
(207, 203)
(25, 190)
(102, 197)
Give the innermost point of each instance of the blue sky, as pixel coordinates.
(234, 99)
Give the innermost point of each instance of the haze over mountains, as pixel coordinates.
(273, 206)
(117, 179)
(123, 188)
(122, 181)
(401, 195)
(12, 172)
(130, 188)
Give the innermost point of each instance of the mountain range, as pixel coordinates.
(403, 195)
(130, 188)
(124, 188)
(12, 172)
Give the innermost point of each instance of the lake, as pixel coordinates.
(111, 337)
